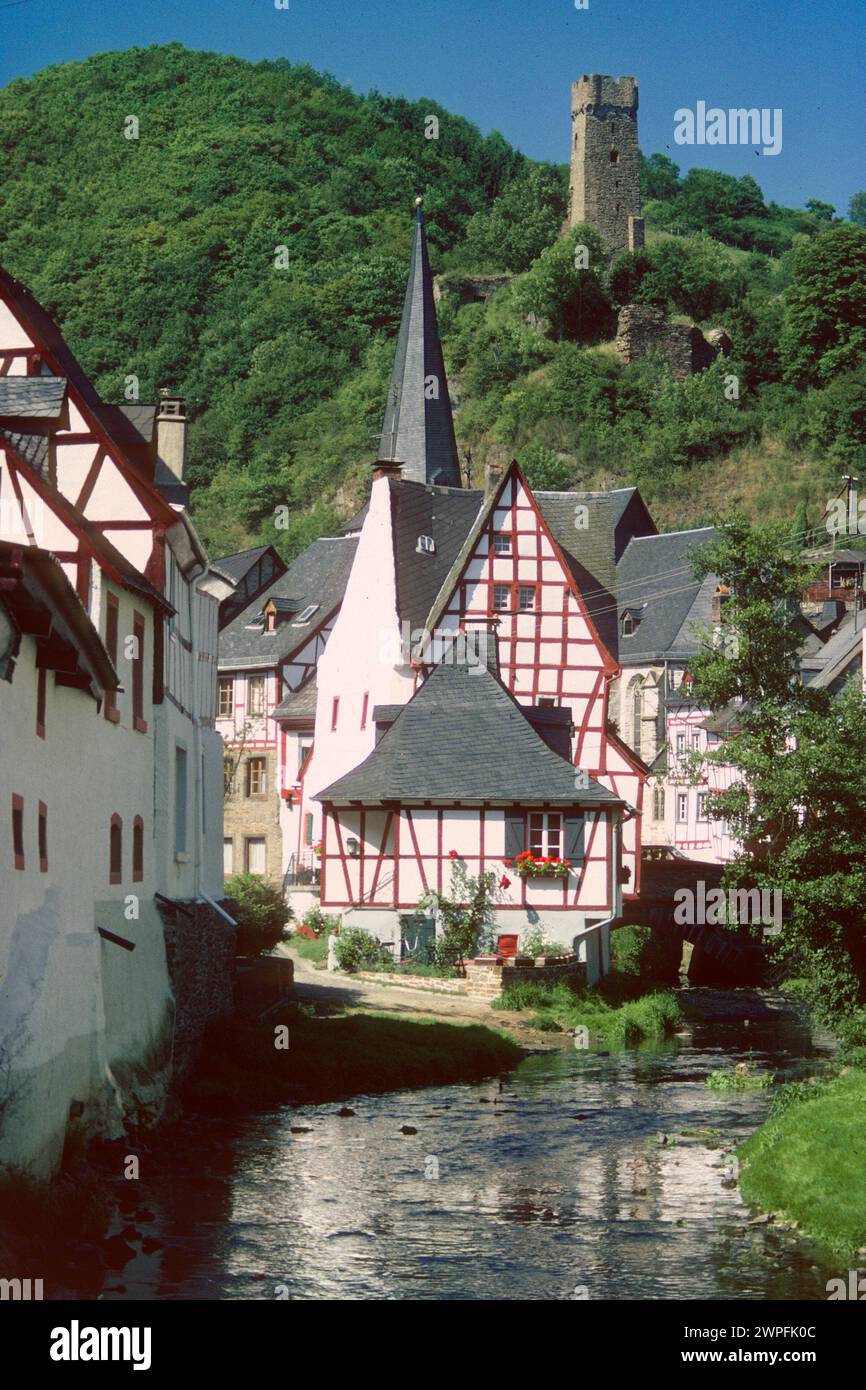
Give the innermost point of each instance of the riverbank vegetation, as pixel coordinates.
(612, 1012)
(319, 1058)
(807, 1161)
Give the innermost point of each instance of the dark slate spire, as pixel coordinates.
(418, 429)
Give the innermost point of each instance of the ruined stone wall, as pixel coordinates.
(642, 327)
(605, 169)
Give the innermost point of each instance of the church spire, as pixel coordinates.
(418, 429)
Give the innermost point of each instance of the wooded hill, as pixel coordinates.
(249, 248)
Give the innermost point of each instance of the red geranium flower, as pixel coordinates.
(507, 863)
(504, 882)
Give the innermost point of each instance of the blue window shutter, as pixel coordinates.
(575, 832)
(515, 835)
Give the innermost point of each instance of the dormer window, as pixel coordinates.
(304, 617)
(426, 545)
(626, 624)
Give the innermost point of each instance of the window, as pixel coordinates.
(303, 618)
(138, 721)
(228, 857)
(501, 597)
(702, 805)
(526, 597)
(658, 803)
(41, 681)
(614, 157)
(257, 777)
(111, 623)
(270, 619)
(364, 705)
(637, 718)
(626, 624)
(335, 713)
(255, 855)
(305, 747)
(115, 850)
(308, 828)
(18, 830)
(228, 777)
(43, 838)
(501, 545)
(256, 695)
(137, 850)
(226, 704)
(696, 740)
(179, 800)
(681, 743)
(682, 807)
(545, 834)
(426, 544)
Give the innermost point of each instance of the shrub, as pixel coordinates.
(357, 949)
(261, 913)
(319, 922)
(638, 951)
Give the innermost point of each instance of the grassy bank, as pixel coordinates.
(807, 1161)
(608, 1012)
(332, 1058)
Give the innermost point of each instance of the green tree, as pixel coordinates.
(797, 804)
(564, 287)
(825, 332)
(857, 209)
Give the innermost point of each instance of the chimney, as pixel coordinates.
(387, 468)
(492, 479)
(171, 433)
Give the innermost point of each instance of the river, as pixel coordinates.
(580, 1175)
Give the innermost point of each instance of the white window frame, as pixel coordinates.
(546, 830)
(682, 808)
(305, 615)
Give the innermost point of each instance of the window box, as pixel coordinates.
(527, 866)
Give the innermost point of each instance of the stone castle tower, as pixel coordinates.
(605, 173)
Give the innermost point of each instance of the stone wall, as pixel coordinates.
(255, 816)
(488, 978)
(605, 170)
(200, 949)
(642, 327)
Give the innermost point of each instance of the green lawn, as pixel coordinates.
(809, 1161)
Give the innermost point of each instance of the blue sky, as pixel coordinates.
(508, 64)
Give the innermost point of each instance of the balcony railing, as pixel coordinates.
(304, 869)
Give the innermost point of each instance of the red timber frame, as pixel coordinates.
(434, 870)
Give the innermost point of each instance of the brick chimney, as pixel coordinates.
(387, 468)
(171, 432)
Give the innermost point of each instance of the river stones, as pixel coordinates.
(345, 1113)
(407, 1129)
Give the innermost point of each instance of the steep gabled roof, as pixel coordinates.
(655, 575)
(464, 738)
(318, 576)
(418, 428)
(299, 704)
(445, 515)
(239, 564)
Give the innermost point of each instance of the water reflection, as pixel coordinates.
(582, 1171)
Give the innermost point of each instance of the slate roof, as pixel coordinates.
(299, 704)
(417, 430)
(32, 448)
(838, 657)
(445, 514)
(319, 576)
(464, 738)
(237, 565)
(655, 574)
(32, 397)
(589, 552)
